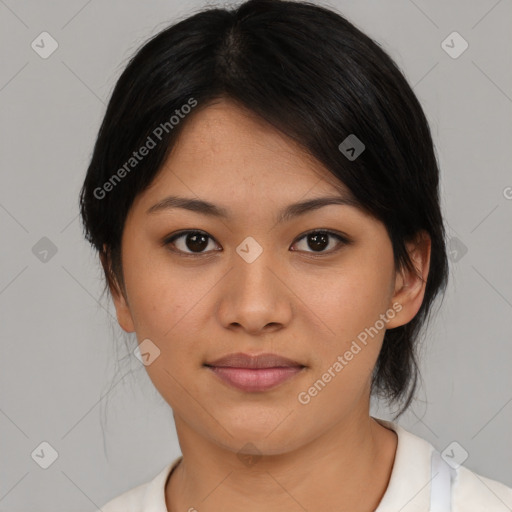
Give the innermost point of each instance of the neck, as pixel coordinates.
(346, 469)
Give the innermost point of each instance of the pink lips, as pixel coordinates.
(254, 373)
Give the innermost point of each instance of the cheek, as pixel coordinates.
(350, 299)
(167, 311)
(346, 352)
(159, 295)
(344, 309)
(171, 307)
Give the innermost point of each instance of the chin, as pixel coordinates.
(258, 440)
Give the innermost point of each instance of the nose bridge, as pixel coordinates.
(255, 297)
(252, 268)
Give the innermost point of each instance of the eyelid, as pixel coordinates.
(342, 238)
(168, 240)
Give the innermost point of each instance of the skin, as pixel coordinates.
(328, 454)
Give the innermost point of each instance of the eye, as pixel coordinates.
(318, 240)
(195, 241)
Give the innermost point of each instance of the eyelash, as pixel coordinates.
(343, 240)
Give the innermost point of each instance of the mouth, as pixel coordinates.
(254, 373)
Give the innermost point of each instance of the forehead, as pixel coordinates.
(228, 148)
(225, 125)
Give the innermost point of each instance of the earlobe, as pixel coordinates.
(124, 316)
(410, 284)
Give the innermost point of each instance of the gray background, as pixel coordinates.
(60, 380)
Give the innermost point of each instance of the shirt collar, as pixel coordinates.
(154, 497)
(409, 485)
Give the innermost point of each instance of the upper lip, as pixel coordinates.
(241, 360)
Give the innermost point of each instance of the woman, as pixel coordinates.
(263, 195)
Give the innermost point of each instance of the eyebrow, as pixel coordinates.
(210, 209)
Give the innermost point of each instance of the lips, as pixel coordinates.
(241, 360)
(254, 373)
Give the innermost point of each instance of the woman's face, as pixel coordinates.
(256, 284)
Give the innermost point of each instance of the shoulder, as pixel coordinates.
(130, 501)
(472, 491)
(147, 496)
(413, 483)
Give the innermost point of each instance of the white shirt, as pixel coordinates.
(421, 481)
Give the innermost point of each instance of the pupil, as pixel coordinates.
(197, 241)
(318, 241)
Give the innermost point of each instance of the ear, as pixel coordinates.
(410, 284)
(124, 316)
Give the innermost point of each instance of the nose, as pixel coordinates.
(255, 296)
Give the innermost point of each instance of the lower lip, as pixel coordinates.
(255, 379)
